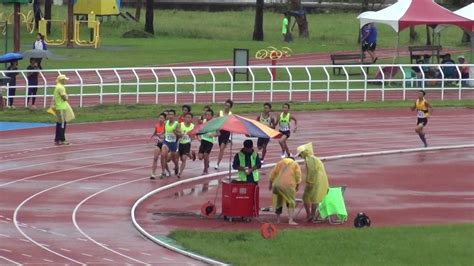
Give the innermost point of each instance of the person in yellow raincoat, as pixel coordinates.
(62, 110)
(284, 182)
(316, 181)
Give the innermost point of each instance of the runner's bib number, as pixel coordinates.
(185, 138)
(170, 137)
(285, 127)
(420, 114)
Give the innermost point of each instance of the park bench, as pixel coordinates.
(417, 52)
(348, 59)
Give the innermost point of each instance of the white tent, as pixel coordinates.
(465, 12)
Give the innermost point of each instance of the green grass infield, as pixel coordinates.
(419, 245)
(151, 111)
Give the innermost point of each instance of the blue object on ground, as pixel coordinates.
(4, 126)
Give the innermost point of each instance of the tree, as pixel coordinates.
(258, 27)
(47, 14)
(149, 16)
(37, 12)
(138, 10)
(298, 12)
(413, 34)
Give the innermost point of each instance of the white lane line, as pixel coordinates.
(18, 208)
(1, 216)
(5, 250)
(70, 169)
(6, 222)
(6, 236)
(87, 255)
(82, 239)
(75, 151)
(9, 260)
(26, 255)
(76, 209)
(328, 158)
(65, 249)
(108, 259)
(168, 259)
(58, 234)
(70, 160)
(124, 249)
(24, 240)
(146, 254)
(50, 261)
(8, 219)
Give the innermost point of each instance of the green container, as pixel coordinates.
(16, 1)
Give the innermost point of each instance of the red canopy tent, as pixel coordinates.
(407, 13)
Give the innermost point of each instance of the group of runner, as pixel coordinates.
(173, 138)
(173, 141)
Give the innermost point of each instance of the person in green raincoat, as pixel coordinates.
(284, 182)
(316, 181)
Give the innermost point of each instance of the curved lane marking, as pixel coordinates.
(17, 209)
(327, 158)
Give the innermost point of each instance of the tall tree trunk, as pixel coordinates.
(70, 23)
(428, 35)
(16, 28)
(149, 16)
(300, 16)
(47, 14)
(466, 38)
(37, 12)
(138, 10)
(258, 27)
(413, 34)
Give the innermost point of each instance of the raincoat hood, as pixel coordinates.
(61, 78)
(305, 150)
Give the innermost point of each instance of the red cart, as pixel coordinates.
(239, 200)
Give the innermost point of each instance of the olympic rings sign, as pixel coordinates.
(273, 53)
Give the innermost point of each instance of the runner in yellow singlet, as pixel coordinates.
(267, 119)
(170, 145)
(207, 142)
(423, 110)
(224, 136)
(184, 149)
(283, 122)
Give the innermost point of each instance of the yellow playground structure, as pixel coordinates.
(7, 19)
(100, 8)
(92, 24)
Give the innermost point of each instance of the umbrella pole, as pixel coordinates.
(230, 157)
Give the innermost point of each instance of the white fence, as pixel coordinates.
(206, 84)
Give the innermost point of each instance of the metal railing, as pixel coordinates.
(208, 84)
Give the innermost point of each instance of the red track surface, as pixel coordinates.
(96, 180)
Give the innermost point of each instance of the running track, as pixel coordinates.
(72, 204)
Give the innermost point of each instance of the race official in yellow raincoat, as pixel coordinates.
(316, 181)
(284, 181)
(61, 109)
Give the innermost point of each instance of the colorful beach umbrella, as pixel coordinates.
(238, 125)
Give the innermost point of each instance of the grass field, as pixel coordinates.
(142, 111)
(213, 35)
(428, 245)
